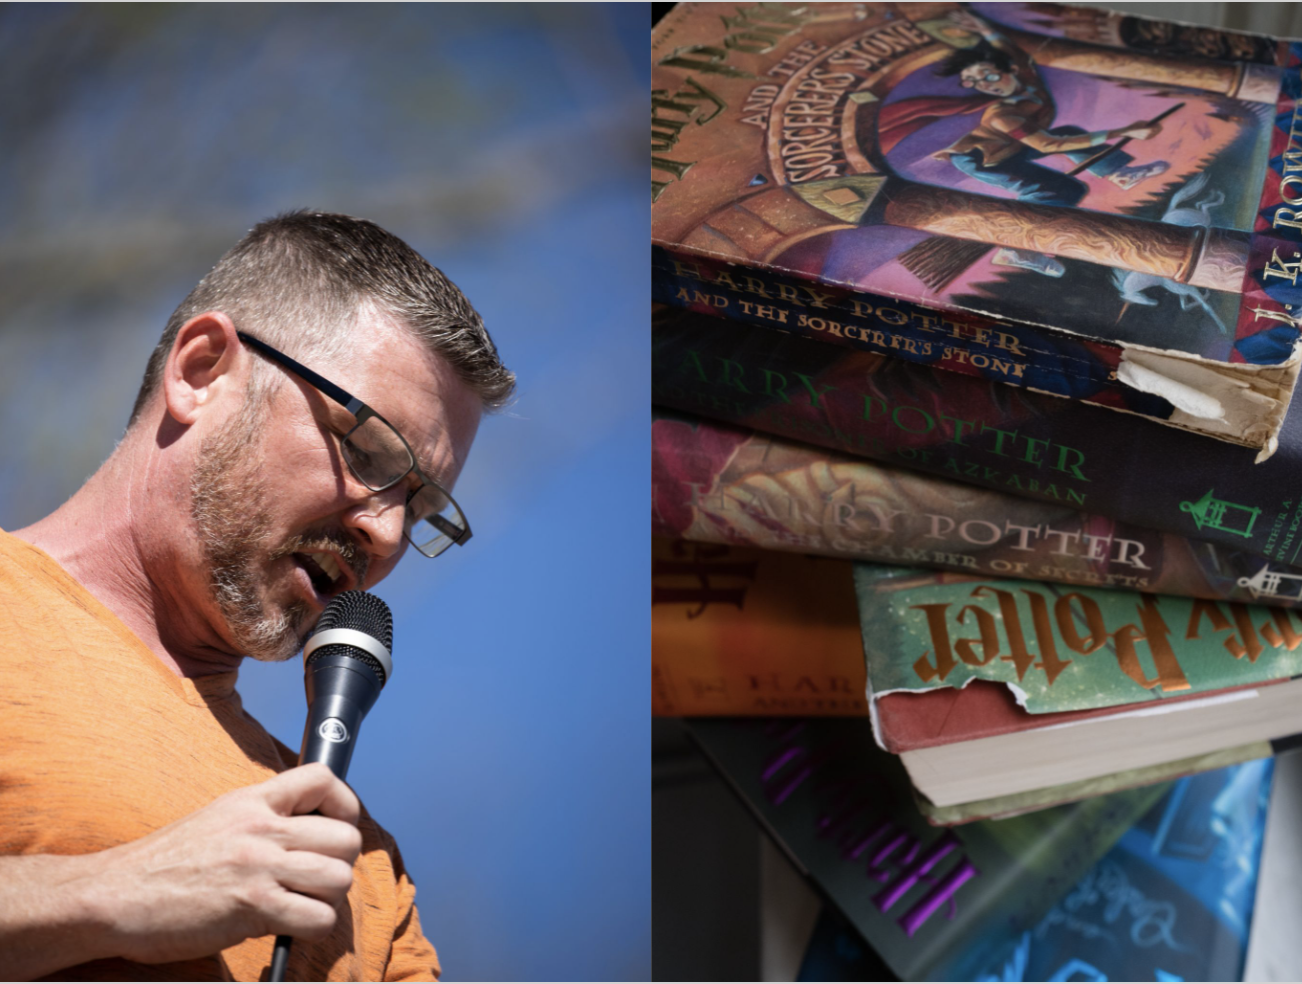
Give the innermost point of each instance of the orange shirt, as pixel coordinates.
(100, 744)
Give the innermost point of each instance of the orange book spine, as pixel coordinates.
(737, 631)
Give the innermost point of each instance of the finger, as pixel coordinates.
(300, 916)
(320, 835)
(326, 879)
(311, 787)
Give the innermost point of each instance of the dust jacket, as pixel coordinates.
(1102, 207)
(716, 484)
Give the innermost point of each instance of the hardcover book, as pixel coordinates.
(743, 631)
(1098, 207)
(934, 904)
(989, 689)
(717, 484)
(1173, 900)
(987, 434)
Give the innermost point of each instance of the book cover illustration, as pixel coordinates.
(718, 484)
(936, 904)
(1171, 901)
(1001, 190)
(743, 631)
(987, 434)
(1063, 649)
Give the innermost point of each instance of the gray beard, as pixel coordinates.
(228, 504)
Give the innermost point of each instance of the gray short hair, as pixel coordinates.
(297, 281)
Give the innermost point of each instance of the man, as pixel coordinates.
(302, 420)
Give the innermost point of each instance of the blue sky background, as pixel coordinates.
(510, 756)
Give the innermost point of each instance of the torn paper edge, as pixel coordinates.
(1160, 705)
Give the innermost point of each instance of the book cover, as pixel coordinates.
(717, 484)
(987, 434)
(744, 631)
(935, 904)
(1059, 649)
(993, 190)
(1173, 900)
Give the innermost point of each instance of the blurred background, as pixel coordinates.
(506, 144)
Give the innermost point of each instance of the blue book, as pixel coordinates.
(1171, 901)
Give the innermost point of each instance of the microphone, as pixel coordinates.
(346, 663)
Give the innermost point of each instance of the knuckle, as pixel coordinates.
(339, 876)
(263, 824)
(319, 771)
(353, 842)
(261, 895)
(317, 922)
(248, 854)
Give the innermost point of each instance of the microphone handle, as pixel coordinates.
(340, 690)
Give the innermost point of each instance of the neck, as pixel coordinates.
(117, 537)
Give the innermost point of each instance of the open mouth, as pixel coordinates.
(323, 571)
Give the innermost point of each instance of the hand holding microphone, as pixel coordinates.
(346, 664)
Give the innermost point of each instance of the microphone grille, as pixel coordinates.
(362, 612)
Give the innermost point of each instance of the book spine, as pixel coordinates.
(725, 485)
(1018, 354)
(740, 632)
(1000, 437)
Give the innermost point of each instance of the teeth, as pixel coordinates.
(327, 563)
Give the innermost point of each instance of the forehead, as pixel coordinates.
(979, 68)
(414, 389)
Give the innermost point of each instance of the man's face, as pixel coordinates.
(989, 78)
(282, 524)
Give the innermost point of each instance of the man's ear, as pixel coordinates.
(206, 363)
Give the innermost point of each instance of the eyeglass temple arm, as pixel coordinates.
(336, 393)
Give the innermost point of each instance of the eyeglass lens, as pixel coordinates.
(435, 521)
(379, 458)
(376, 454)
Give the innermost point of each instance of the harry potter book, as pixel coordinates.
(717, 484)
(752, 632)
(745, 632)
(1103, 208)
(1013, 440)
(934, 904)
(1172, 900)
(990, 688)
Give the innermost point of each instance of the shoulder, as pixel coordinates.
(1004, 117)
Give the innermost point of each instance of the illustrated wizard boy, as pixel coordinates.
(1016, 129)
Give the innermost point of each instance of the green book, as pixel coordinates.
(989, 689)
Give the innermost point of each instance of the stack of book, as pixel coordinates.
(975, 338)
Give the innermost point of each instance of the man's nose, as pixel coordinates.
(378, 521)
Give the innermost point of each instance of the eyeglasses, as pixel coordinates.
(379, 457)
(969, 81)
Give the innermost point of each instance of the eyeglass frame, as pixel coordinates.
(362, 413)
